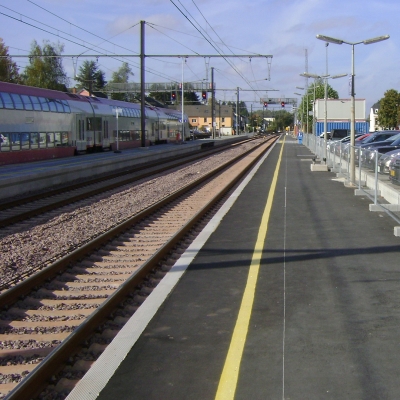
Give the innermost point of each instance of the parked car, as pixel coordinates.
(368, 153)
(385, 160)
(378, 136)
(340, 146)
(394, 170)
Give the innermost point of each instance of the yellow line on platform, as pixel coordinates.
(229, 377)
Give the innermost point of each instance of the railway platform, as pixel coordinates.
(290, 292)
(19, 179)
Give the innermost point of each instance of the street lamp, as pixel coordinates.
(302, 108)
(297, 108)
(325, 77)
(352, 110)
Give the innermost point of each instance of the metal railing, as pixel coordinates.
(377, 175)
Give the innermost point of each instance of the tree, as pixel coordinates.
(242, 107)
(282, 119)
(45, 67)
(8, 69)
(388, 114)
(90, 76)
(122, 75)
(304, 108)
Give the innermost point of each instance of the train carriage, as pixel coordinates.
(34, 118)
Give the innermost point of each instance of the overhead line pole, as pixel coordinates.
(142, 85)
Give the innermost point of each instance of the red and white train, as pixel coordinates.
(36, 119)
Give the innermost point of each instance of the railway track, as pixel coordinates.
(17, 210)
(83, 299)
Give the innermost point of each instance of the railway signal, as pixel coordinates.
(265, 104)
(204, 95)
(282, 104)
(173, 96)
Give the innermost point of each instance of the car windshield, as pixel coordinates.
(396, 142)
(393, 138)
(372, 139)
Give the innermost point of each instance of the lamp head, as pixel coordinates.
(376, 39)
(330, 39)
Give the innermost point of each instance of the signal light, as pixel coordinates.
(265, 104)
(173, 96)
(283, 104)
(204, 95)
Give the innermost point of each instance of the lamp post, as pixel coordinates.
(352, 94)
(325, 77)
(302, 107)
(297, 108)
(117, 112)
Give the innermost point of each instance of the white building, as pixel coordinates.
(373, 118)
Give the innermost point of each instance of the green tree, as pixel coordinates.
(122, 75)
(8, 69)
(45, 67)
(242, 107)
(306, 104)
(282, 119)
(388, 114)
(90, 76)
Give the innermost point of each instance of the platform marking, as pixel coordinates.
(284, 284)
(230, 373)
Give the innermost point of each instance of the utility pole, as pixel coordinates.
(142, 86)
(237, 110)
(212, 103)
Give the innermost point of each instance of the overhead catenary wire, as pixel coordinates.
(214, 47)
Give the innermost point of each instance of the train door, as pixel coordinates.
(80, 140)
(106, 133)
(94, 134)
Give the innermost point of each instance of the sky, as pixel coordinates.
(284, 29)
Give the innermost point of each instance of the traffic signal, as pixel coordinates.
(173, 96)
(265, 104)
(282, 104)
(204, 95)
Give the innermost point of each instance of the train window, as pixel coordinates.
(17, 101)
(59, 106)
(124, 112)
(64, 138)
(57, 138)
(52, 105)
(44, 104)
(50, 139)
(93, 124)
(105, 129)
(36, 103)
(35, 140)
(67, 108)
(27, 102)
(8, 103)
(42, 139)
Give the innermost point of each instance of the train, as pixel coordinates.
(33, 118)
